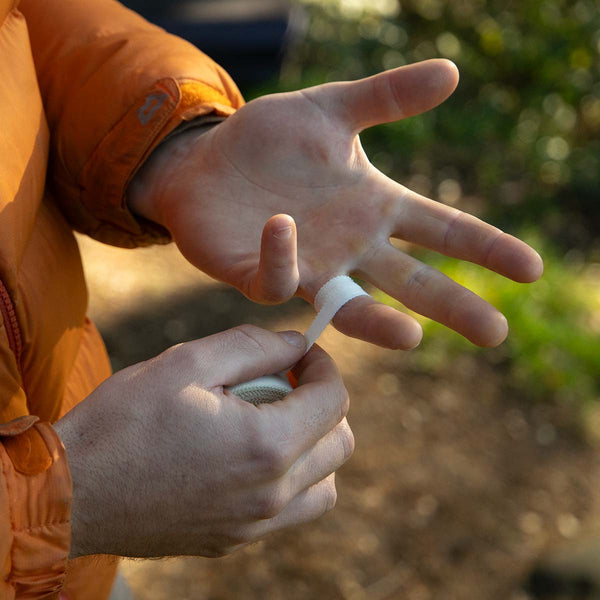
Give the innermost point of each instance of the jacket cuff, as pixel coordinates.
(102, 210)
(37, 492)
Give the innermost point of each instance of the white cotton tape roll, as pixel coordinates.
(329, 299)
(263, 390)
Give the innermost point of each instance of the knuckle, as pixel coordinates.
(184, 358)
(346, 440)
(272, 461)
(451, 227)
(329, 496)
(394, 95)
(170, 354)
(345, 401)
(418, 283)
(268, 504)
(266, 453)
(249, 337)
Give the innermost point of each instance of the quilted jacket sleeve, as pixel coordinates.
(35, 492)
(35, 495)
(113, 86)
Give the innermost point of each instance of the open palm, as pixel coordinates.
(289, 169)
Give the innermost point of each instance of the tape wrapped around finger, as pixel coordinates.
(329, 299)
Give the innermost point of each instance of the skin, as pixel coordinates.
(166, 462)
(280, 197)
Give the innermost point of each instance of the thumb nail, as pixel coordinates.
(294, 338)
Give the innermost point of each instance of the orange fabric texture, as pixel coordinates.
(36, 503)
(104, 66)
(87, 90)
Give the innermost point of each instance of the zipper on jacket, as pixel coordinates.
(9, 316)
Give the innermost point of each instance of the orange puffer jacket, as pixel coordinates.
(87, 90)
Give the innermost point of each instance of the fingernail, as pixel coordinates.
(294, 338)
(285, 233)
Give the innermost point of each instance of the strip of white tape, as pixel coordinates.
(329, 299)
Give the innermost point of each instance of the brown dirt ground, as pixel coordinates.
(455, 489)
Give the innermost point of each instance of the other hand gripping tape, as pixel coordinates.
(329, 299)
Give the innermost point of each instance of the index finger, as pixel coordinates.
(458, 234)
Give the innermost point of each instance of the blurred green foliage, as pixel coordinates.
(553, 349)
(517, 144)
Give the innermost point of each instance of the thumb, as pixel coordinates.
(247, 352)
(389, 96)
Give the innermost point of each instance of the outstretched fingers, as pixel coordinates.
(454, 233)
(432, 294)
(366, 319)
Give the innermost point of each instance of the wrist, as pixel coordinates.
(147, 189)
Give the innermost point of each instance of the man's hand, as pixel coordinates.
(165, 462)
(291, 166)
